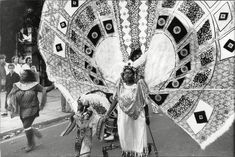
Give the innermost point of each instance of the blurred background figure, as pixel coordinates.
(37, 74)
(28, 63)
(11, 78)
(2, 72)
(15, 61)
(2, 79)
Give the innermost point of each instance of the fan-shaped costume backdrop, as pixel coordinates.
(187, 51)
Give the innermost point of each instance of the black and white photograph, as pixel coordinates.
(117, 78)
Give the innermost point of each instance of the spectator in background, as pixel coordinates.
(11, 78)
(28, 63)
(2, 72)
(15, 61)
(34, 69)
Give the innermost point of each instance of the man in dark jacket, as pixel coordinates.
(11, 78)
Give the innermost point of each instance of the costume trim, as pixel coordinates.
(13, 106)
(26, 86)
(135, 154)
(220, 132)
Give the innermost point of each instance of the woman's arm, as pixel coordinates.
(146, 109)
(40, 88)
(44, 91)
(43, 99)
(50, 88)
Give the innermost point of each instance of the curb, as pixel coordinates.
(17, 131)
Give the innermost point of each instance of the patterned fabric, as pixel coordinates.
(187, 58)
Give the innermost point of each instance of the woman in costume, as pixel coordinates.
(23, 101)
(131, 97)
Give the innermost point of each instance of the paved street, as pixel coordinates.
(51, 113)
(171, 141)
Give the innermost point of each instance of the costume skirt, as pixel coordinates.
(132, 134)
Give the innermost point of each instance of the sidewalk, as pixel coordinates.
(51, 113)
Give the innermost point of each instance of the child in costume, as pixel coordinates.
(89, 122)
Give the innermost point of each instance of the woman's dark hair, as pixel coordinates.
(128, 67)
(28, 76)
(2, 56)
(27, 58)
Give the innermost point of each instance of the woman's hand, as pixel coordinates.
(147, 120)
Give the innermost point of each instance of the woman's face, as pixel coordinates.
(16, 60)
(33, 68)
(2, 61)
(128, 75)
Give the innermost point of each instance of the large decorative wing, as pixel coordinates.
(190, 66)
(80, 43)
(187, 54)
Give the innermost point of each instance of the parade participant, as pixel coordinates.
(131, 97)
(84, 132)
(23, 101)
(89, 122)
(110, 132)
(11, 78)
(80, 120)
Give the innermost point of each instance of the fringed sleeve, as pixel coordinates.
(144, 90)
(13, 106)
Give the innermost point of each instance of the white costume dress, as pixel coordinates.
(131, 119)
